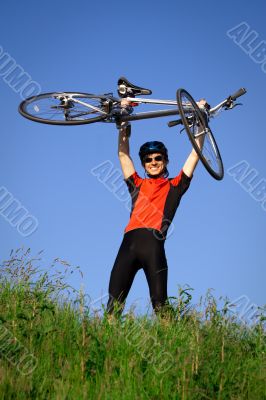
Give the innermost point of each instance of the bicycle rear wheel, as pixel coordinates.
(195, 123)
(65, 108)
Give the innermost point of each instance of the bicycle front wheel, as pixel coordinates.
(65, 108)
(196, 125)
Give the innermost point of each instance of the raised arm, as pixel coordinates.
(191, 163)
(123, 151)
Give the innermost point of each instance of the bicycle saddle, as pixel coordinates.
(125, 88)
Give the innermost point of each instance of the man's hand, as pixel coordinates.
(124, 126)
(125, 103)
(203, 103)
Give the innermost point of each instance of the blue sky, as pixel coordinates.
(219, 229)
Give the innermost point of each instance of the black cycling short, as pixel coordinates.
(140, 248)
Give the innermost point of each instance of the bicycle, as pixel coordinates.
(73, 108)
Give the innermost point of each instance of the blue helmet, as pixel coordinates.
(153, 147)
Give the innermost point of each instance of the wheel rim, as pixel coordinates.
(196, 125)
(62, 108)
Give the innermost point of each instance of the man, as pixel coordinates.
(154, 203)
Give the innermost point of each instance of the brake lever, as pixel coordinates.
(232, 105)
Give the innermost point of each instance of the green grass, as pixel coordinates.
(53, 347)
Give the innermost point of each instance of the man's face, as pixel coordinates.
(154, 164)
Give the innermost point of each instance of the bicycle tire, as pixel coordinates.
(194, 122)
(47, 109)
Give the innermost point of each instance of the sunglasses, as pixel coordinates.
(150, 159)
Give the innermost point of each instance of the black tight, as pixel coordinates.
(140, 248)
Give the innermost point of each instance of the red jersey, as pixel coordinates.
(155, 200)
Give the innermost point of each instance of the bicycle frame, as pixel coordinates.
(143, 115)
(148, 114)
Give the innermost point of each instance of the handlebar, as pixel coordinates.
(228, 101)
(239, 93)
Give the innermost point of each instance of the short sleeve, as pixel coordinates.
(133, 182)
(182, 181)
